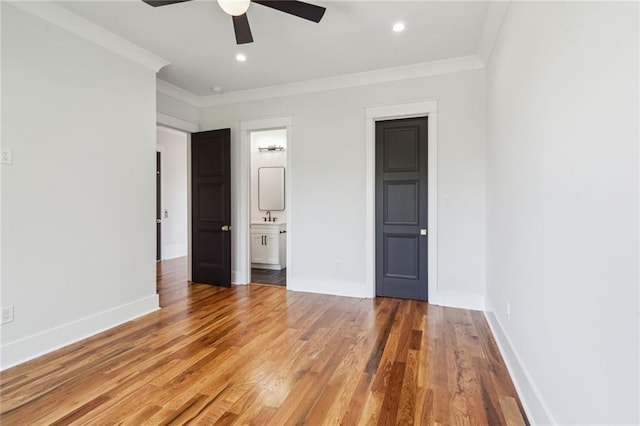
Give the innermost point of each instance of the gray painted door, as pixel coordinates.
(401, 208)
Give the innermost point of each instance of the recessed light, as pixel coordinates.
(240, 57)
(216, 89)
(398, 27)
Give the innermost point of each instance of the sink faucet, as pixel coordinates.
(269, 216)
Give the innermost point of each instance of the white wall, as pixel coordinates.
(266, 159)
(78, 203)
(563, 208)
(328, 178)
(174, 199)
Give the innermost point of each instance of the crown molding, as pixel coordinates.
(447, 66)
(492, 24)
(464, 63)
(178, 93)
(76, 24)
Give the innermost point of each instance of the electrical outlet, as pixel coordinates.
(338, 265)
(7, 156)
(509, 310)
(7, 314)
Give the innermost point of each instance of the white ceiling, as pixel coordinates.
(197, 39)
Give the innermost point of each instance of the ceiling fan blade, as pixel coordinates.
(156, 3)
(307, 11)
(242, 29)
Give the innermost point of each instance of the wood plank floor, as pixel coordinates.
(261, 355)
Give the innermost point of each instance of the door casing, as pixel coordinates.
(427, 108)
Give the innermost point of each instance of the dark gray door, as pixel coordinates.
(211, 207)
(401, 208)
(158, 210)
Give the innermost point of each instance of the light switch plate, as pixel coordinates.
(7, 156)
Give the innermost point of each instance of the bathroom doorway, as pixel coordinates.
(268, 204)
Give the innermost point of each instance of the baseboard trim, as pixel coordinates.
(534, 406)
(334, 288)
(276, 267)
(451, 299)
(458, 299)
(27, 348)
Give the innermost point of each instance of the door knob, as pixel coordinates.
(226, 228)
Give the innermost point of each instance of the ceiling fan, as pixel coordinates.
(238, 8)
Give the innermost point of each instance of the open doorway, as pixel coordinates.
(172, 213)
(268, 204)
(172, 196)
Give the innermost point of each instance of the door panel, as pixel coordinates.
(401, 208)
(401, 149)
(210, 163)
(401, 256)
(211, 197)
(400, 202)
(208, 238)
(211, 207)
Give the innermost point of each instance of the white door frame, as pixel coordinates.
(242, 227)
(423, 108)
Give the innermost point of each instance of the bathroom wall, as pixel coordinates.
(266, 159)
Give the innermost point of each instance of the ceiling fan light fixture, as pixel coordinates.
(234, 7)
(238, 11)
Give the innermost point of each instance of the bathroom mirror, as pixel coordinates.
(271, 188)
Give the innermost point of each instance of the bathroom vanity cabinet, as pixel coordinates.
(268, 245)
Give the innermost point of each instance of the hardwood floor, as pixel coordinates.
(261, 355)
